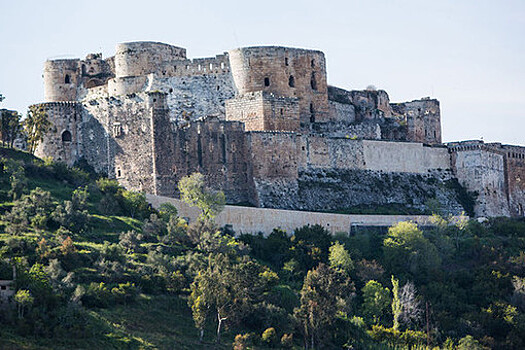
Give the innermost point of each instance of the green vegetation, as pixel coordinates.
(97, 267)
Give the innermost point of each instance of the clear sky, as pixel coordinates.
(469, 54)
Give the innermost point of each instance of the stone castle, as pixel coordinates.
(264, 126)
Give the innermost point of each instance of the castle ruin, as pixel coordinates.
(265, 127)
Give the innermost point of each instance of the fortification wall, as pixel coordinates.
(218, 150)
(341, 112)
(481, 169)
(255, 220)
(515, 179)
(261, 111)
(219, 64)
(274, 154)
(248, 109)
(423, 118)
(285, 72)
(368, 104)
(367, 131)
(406, 157)
(126, 140)
(62, 142)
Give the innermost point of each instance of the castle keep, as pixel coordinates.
(264, 126)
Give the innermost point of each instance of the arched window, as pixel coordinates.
(291, 81)
(67, 79)
(313, 81)
(266, 81)
(66, 136)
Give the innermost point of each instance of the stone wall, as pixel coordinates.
(261, 111)
(368, 104)
(142, 58)
(481, 169)
(63, 140)
(117, 139)
(406, 157)
(515, 179)
(255, 220)
(218, 150)
(423, 118)
(61, 80)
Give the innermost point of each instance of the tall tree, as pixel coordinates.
(10, 127)
(376, 300)
(211, 290)
(396, 302)
(325, 293)
(36, 125)
(412, 312)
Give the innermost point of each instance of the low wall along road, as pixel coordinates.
(254, 220)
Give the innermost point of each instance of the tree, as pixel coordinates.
(23, 299)
(411, 311)
(339, 258)
(211, 291)
(396, 303)
(194, 192)
(325, 293)
(406, 249)
(10, 127)
(135, 204)
(36, 126)
(376, 300)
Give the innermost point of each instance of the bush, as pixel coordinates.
(287, 341)
(269, 337)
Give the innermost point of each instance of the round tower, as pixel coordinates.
(61, 79)
(144, 57)
(284, 72)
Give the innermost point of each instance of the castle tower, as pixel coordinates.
(297, 75)
(62, 140)
(61, 79)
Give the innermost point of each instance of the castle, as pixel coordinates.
(264, 126)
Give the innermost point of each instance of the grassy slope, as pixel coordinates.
(153, 322)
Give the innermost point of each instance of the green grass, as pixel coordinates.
(153, 322)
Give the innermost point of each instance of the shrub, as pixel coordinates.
(287, 341)
(269, 337)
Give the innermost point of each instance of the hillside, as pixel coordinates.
(97, 267)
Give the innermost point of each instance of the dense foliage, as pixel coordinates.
(96, 266)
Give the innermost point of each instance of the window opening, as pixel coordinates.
(266, 81)
(313, 81)
(291, 81)
(67, 79)
(66, 136)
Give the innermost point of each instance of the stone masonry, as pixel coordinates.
(265, 127)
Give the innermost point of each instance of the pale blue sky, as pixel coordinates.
(468, 54)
